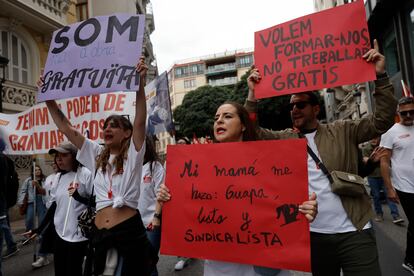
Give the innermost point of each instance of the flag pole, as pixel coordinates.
(34, 209)
(406, 93)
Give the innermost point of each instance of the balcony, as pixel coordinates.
(18, 97)
(221, 68)
(222, 82)
(42, 15)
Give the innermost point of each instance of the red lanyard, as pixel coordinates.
(108, 171)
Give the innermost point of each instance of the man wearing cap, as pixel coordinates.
(399, 178)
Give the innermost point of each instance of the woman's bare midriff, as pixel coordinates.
(108, 217)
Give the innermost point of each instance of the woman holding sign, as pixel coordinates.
(119, 240)
(232, 124)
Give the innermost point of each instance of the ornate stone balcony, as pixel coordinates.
(17, 97)
(43, 15)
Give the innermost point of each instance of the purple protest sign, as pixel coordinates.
(94, 56)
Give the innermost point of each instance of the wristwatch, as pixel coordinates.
(157, 215)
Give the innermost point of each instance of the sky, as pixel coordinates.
(192, 28)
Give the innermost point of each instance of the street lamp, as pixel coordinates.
(3, 63)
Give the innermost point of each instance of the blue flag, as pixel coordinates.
(159, 115)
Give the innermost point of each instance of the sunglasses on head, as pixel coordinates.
(406, 112)
(299, 105)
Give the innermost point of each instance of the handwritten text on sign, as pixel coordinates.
(97, 55)
(316, 51)
(238, 202)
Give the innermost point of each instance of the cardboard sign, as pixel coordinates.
(238, 202)
(34, 132)
(97, 55)
(316, 51)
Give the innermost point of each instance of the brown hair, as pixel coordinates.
(102, 159)
(249, 134)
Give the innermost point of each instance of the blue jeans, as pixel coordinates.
(40, 211)
(376, 184)
(155, 239)
(11, 244)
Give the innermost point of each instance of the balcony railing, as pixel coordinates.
(211, 70)
(58, 7)
(54, 10)
(17, 96)
(225, 81)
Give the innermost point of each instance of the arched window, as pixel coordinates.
(13, 48)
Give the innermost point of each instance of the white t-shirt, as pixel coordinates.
(48, 188)
(217, 268)
(331, 217)
(60, 195)
(125, 186)
(149, 187)
(400, 139)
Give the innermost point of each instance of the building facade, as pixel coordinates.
(346, 101)
(26, 28)
(392, 24)
(218, 69)
(103, 7)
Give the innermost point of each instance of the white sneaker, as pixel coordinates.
(180, 265)
(41, 261)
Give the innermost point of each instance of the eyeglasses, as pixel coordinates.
(406, 112)
(299, 105)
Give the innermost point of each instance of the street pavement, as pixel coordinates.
(390, 240)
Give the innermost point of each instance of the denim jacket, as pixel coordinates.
(27, 187)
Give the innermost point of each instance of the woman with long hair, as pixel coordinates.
(28, 197)
(119, 240)
(232, 124)
(69, 244)
(152, 176)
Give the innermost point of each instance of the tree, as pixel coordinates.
(196, 114)
(272, 112)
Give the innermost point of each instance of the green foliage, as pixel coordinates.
(196, 113)
(273, 113)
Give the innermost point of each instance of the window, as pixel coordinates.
(181, 72)
(246, 61)
(13, 48)
(82, 10)
(189, 83)
(391, 53)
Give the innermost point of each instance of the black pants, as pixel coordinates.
(407, 202)
(129, 238)
(353, 252)
(48, 240)
(68, 257)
